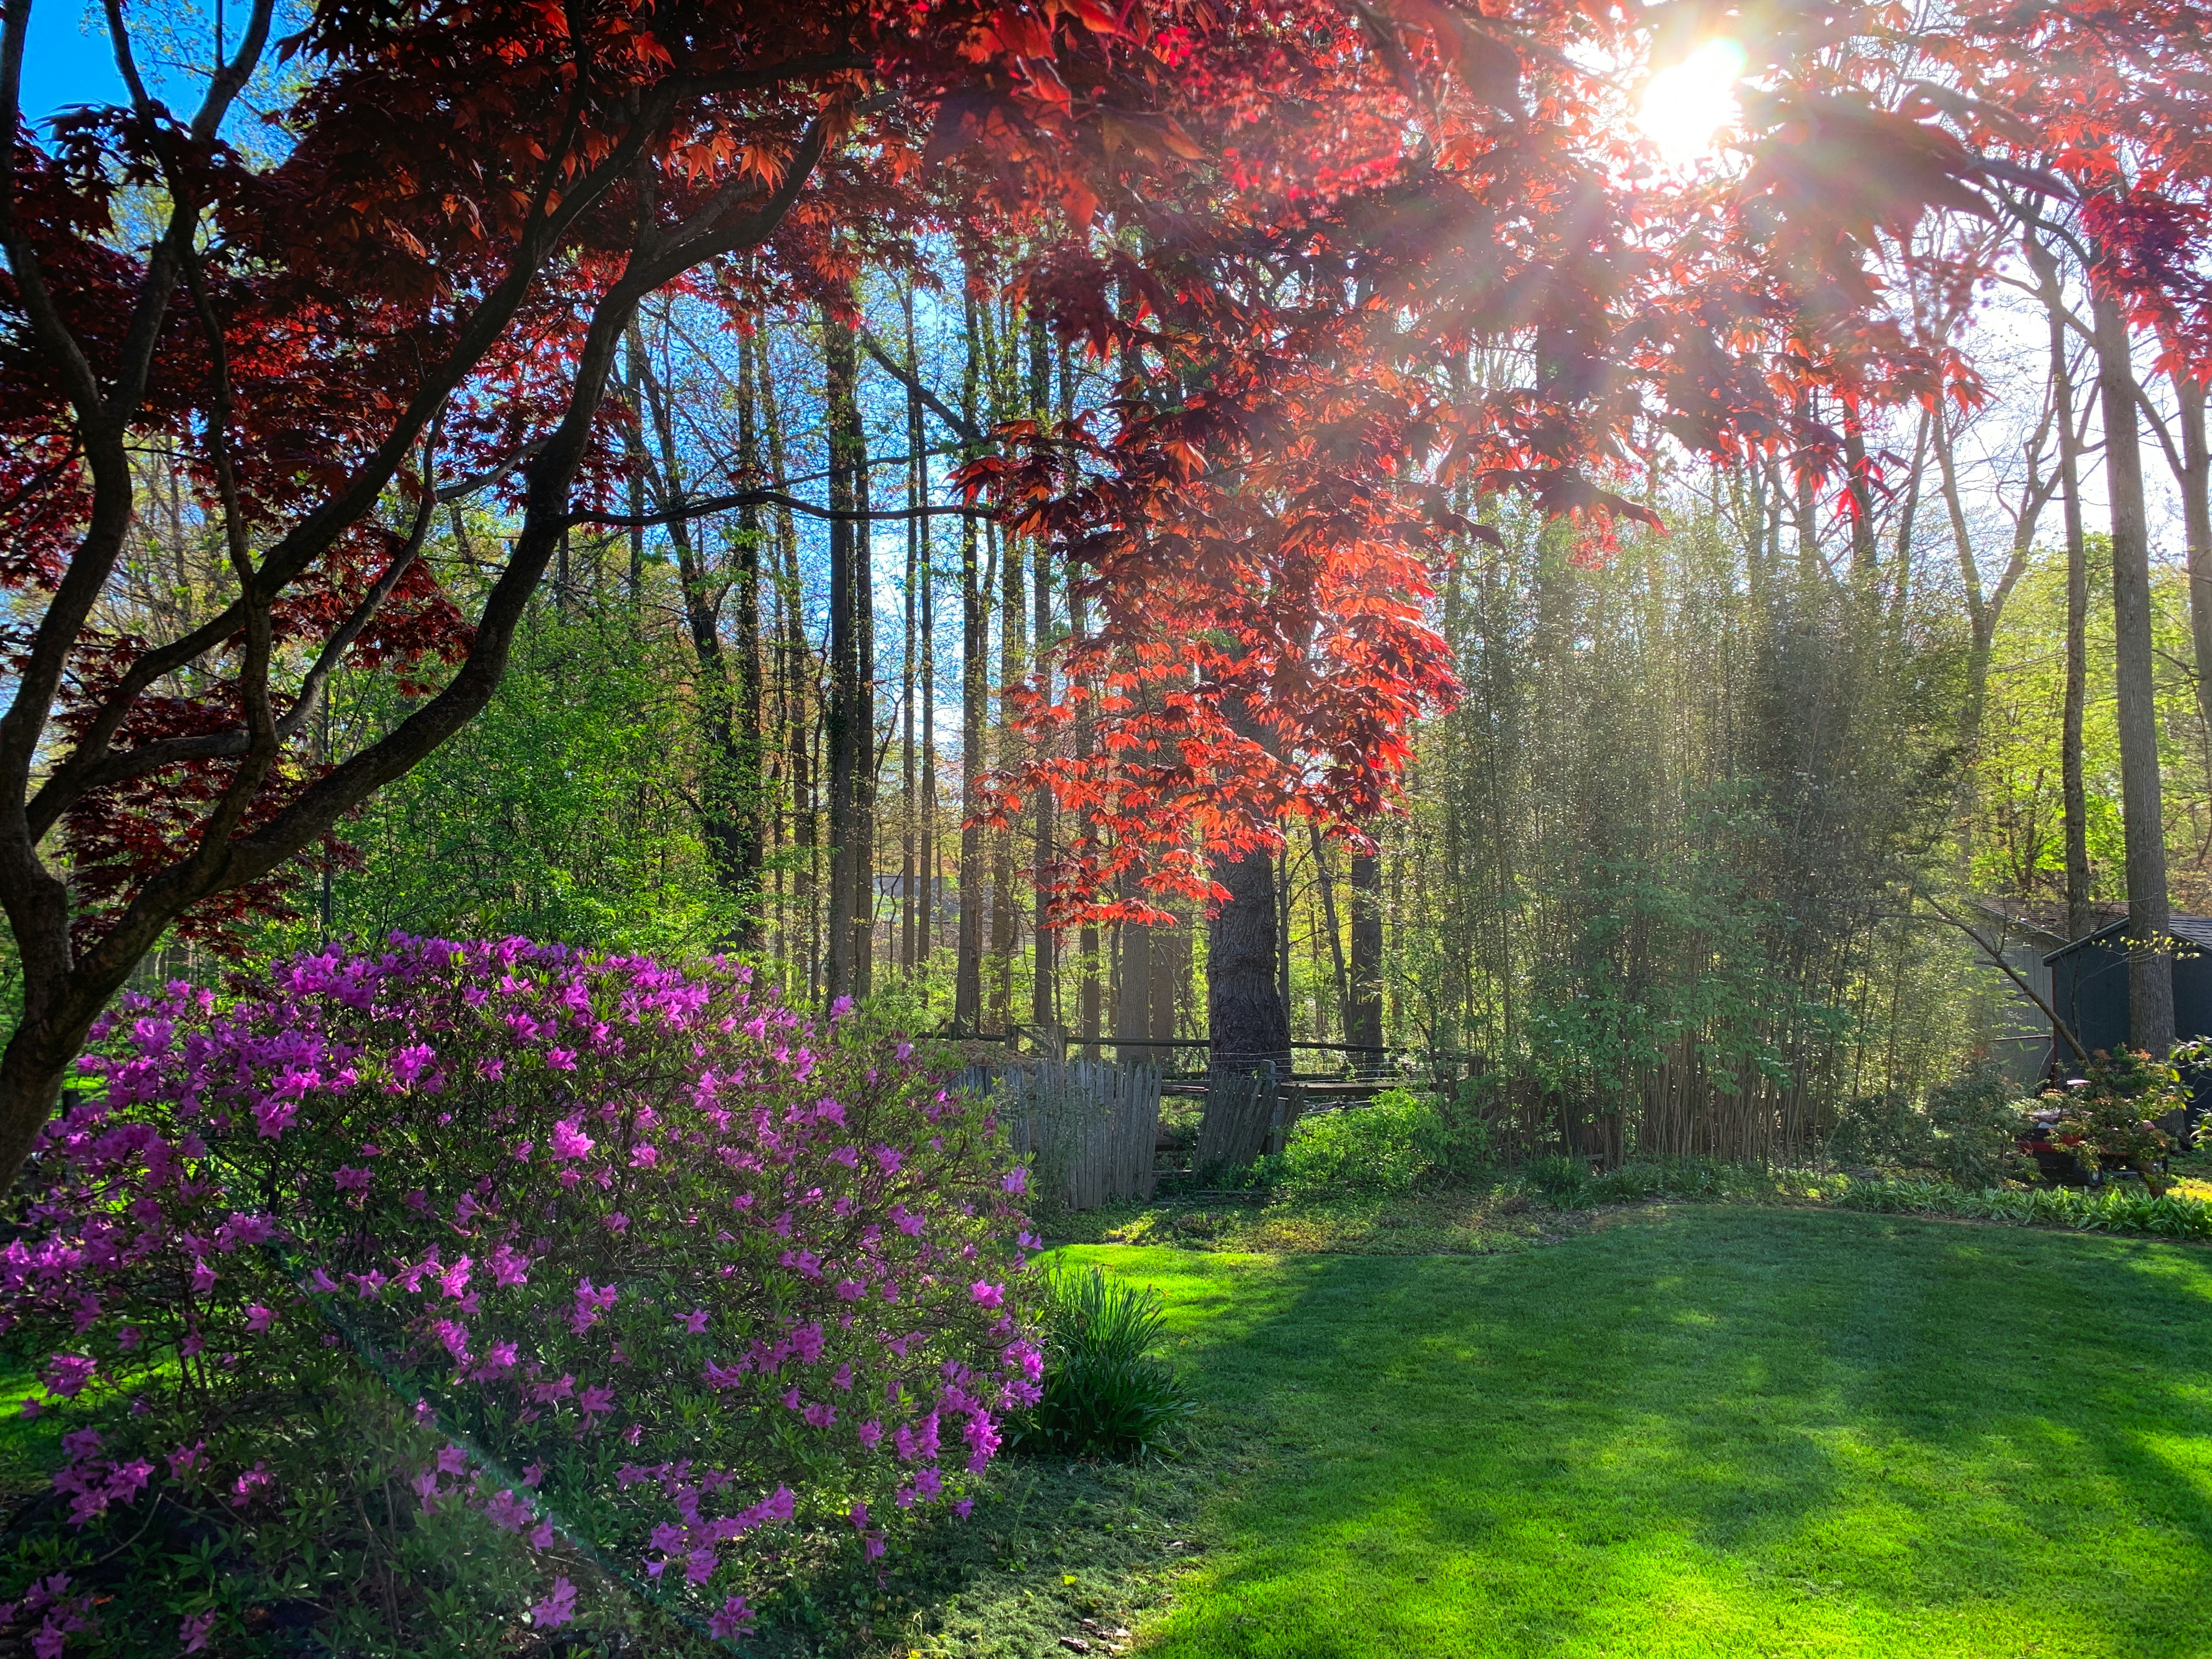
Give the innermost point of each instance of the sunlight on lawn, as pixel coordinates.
(1717, 1432)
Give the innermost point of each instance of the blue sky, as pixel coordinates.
(63, 65)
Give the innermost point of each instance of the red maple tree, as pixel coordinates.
(1293, 226)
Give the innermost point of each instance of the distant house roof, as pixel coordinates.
(2196, 930)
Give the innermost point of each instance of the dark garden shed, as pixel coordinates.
(2089, 985)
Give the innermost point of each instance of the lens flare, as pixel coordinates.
(1688, 106)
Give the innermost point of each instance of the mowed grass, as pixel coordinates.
(1704, 1430)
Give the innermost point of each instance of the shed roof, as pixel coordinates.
(2196, 930)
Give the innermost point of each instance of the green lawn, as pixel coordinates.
(1704, 1430)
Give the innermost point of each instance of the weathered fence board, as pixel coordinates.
(1087, 1126)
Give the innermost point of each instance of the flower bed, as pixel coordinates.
(491, 1273)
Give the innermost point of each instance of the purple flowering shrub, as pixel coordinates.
(506, 1260)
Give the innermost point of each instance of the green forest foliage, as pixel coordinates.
(1668, 849)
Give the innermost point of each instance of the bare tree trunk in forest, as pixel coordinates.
(2080, 920)
(1044, 943)
(968, 967)
(1362, 1024)
(1170, 968)
(909, 905)
(746, 714)
(1808, 531)
(917, 448)
(730, 794)
(2195, 477)
(1246, 1018)
(634, 451)
(1329, 925)
(2150, 972)
(1089, 1011)
(848, 724)
(1859, 486)
(1005, 561)
(1133, 984)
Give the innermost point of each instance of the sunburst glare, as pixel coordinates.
(1686, 107)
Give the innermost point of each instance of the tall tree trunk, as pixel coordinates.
(1363, 1024)
(2196, 481)
(1042, 1011)
(2150, 972)
(798, 713)
(730, 794)
(909, 905)
(1329, 925)
(1247, 1021)
(918, 448)
(1170, 968)
(746, 715)
(1089, 994)
(848, 723)
(968, 967)
(2081, 919)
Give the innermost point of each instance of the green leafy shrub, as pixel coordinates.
(1677, 1177)
(401, 1298)
(1106, 1394)
(2106, 1120)
(1383, 1147)
(2117, 1210)
(1968, 1131)
(1975, 1123)
(1885, 1129)
(1561, 1179)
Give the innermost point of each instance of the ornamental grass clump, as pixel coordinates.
(411, 1296)
(1106, 1394)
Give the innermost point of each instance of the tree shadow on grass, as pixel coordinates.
(1707, 1432)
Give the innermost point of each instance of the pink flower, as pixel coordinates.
(68, 1373)
(509, 1266)
(243, 1489)
(411, 1062)
(195, 1629)
(986, 1294)
(257, 1317)
(556, 1610)
(568, 1139)
(350, 1180)
(694, 1323)
(560, 1060)
(590, 1304)
(732, 1622)
(202, 1277)
(1016, 1180)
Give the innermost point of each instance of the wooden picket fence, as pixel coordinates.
(1086, 1125)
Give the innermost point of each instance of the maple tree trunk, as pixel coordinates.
(1362, 1024)
(2150, 974)
(1246, 1018)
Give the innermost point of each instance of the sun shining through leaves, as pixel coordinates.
(1686, 107)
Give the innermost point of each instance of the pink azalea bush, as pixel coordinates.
(580, 1269)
